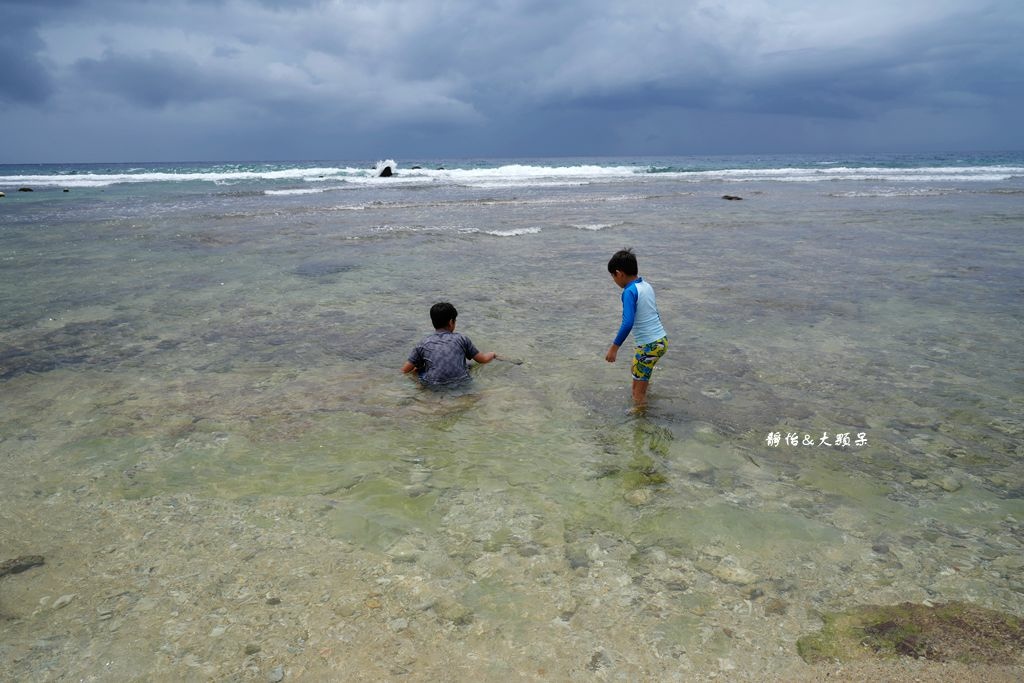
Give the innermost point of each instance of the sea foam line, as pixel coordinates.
(217, 177)
(518, 175)
(591, 226)
(516, 232)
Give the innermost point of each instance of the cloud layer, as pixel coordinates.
(246, 79)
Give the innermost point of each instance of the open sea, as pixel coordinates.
(204, 430)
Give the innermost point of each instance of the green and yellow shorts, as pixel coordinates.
(644, 358)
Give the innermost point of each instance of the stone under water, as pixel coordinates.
(954, 631)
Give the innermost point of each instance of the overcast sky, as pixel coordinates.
(141, 80)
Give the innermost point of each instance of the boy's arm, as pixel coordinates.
(628, 317)
(476, 354)
(414, 361)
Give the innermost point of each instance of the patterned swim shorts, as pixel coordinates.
(646, 356)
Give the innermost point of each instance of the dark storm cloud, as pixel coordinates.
(965, 58)
(23, 77)
(574, 77)
(151, 80)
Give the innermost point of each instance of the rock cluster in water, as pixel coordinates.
(954, 631)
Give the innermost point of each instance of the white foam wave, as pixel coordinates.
(516, 175)
(385, 229)
(398, 228)
(501, 184)
(591, 226)
(301, 190)
(220, 177)
(895, 192)
(802, 175)
(513, 233)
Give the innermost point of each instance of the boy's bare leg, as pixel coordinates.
(640, 392)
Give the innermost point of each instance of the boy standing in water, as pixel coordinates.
(440, 358)
(639, 314)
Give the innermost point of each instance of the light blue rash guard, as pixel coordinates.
(639, 314)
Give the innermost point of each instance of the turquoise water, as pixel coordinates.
(240, 340)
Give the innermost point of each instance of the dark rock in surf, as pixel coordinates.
(731, 197)
(20, 564)
(385, 168)
(24, 189)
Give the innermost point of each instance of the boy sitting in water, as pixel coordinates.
(440, 358)
(639, 314)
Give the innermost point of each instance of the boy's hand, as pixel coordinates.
(613, 351)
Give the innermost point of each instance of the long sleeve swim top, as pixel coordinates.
(639, 314)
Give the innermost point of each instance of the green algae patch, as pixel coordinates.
(954, 631)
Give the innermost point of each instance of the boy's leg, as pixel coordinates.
(640, 391)
(644, 359)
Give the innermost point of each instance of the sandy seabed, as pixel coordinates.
(182, 588)
(174, 372)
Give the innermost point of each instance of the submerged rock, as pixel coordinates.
(730, 572)
(954, 631)
(576, 556)
(321, 269)
(598, 661)
(64, 600)
(453, 612)
(638, 497)
(20, 564)
(948, 484)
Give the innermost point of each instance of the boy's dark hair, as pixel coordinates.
(442, 313)
(624, 260)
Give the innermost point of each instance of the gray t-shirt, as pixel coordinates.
(441, 357)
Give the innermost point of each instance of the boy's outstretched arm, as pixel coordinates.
(485, 357)
(628, 316)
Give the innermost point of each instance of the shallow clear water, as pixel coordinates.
(244, 346)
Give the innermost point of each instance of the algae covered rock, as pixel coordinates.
(954, 631)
